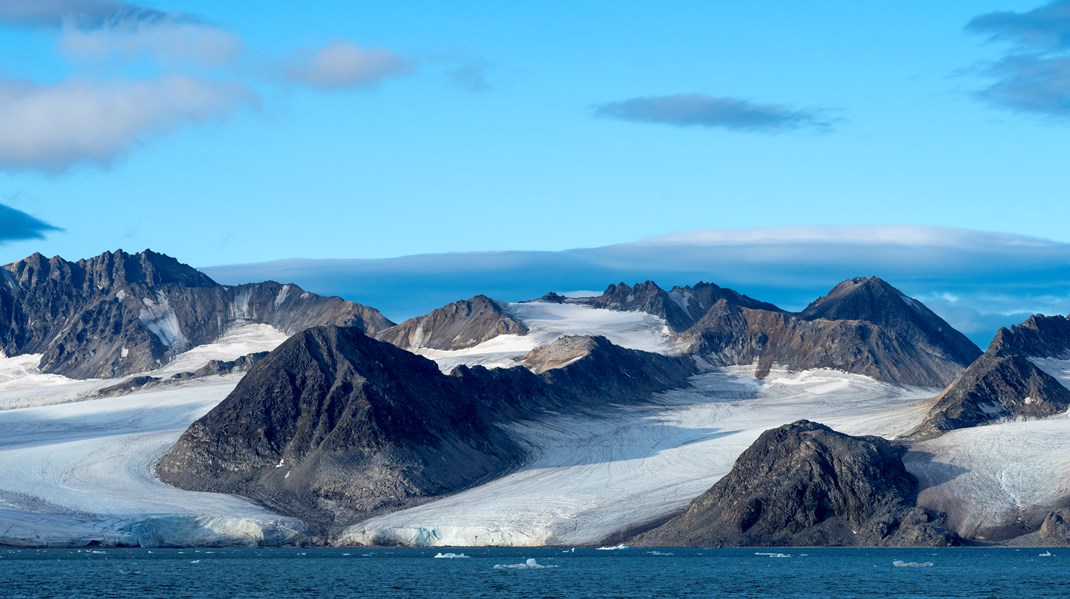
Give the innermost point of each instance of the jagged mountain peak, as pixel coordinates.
(860, 298)
(458, 325)
(874, 300)
(1039, 336)
(108, 270)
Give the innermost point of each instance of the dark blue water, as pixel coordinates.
(493, 573)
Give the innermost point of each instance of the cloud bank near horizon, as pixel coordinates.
(978, 281)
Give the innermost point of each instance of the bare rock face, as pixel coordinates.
(1038, 337)
(121, 313)
(680, 307)
(995, 387)
(1055, 530)
(804, 484)
(458, 325)
(1004, 383)
(334, 423)
(864, 326)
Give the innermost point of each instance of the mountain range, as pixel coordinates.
(359, 430)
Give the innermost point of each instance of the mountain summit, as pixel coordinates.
(120, 313)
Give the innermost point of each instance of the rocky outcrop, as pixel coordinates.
(121, 313)
(680, 307)
(995, 387)
(1038, 337)
(804, 484)
(864, 326)
(1004, 383)
(334, 425)
(458, 325)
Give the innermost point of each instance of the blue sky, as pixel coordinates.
(226, 133)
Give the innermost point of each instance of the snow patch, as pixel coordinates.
(158, 317)
(546, 322)
(283, 293)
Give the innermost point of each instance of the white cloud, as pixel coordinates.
(52, 127)
(168, 41)
(345, 65)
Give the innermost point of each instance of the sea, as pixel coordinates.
(542, 572)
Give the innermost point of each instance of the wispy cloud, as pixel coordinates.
(16, 225)
(53, 127)
(166, 41)
(697, 110)
(81, 13)
(344, 65)
(1046, 27)
(1034, 75)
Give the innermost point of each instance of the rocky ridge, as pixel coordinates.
(458, 325)
(120, 313)
(334, 425)
(803, 484)
(1004, 383)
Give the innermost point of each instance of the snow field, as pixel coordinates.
(548, 321)
(71, 473)
(594, 475)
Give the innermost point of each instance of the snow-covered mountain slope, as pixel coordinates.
(995, 481)
(547, 321)
(593, 476)
(81, 471)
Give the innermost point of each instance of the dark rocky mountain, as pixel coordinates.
(864, 326)
(875, 301)
(121, 313)
(1038, 337)
(681, 307)
(455, 326)
(1004, 383)
(334, 422)
(334, 425)
(804, 484)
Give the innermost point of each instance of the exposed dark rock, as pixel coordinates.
(220, 367)
(864, 326)
(334, 425)
(334, 422)
(456, 326)
(1004, 383)
(804, 484)
(1055, 530)
(121, 313)
(873, 300)
(994, 388)
(681, 307)
(130, 385)
(1038, 337)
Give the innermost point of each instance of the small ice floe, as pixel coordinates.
(450, 556)
(771, 554)
(658, 553)
(901, 564)
(529, 564)
(1045, 554)
(614, 548)
(196, 561)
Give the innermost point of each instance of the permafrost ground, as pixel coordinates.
(76, 469)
